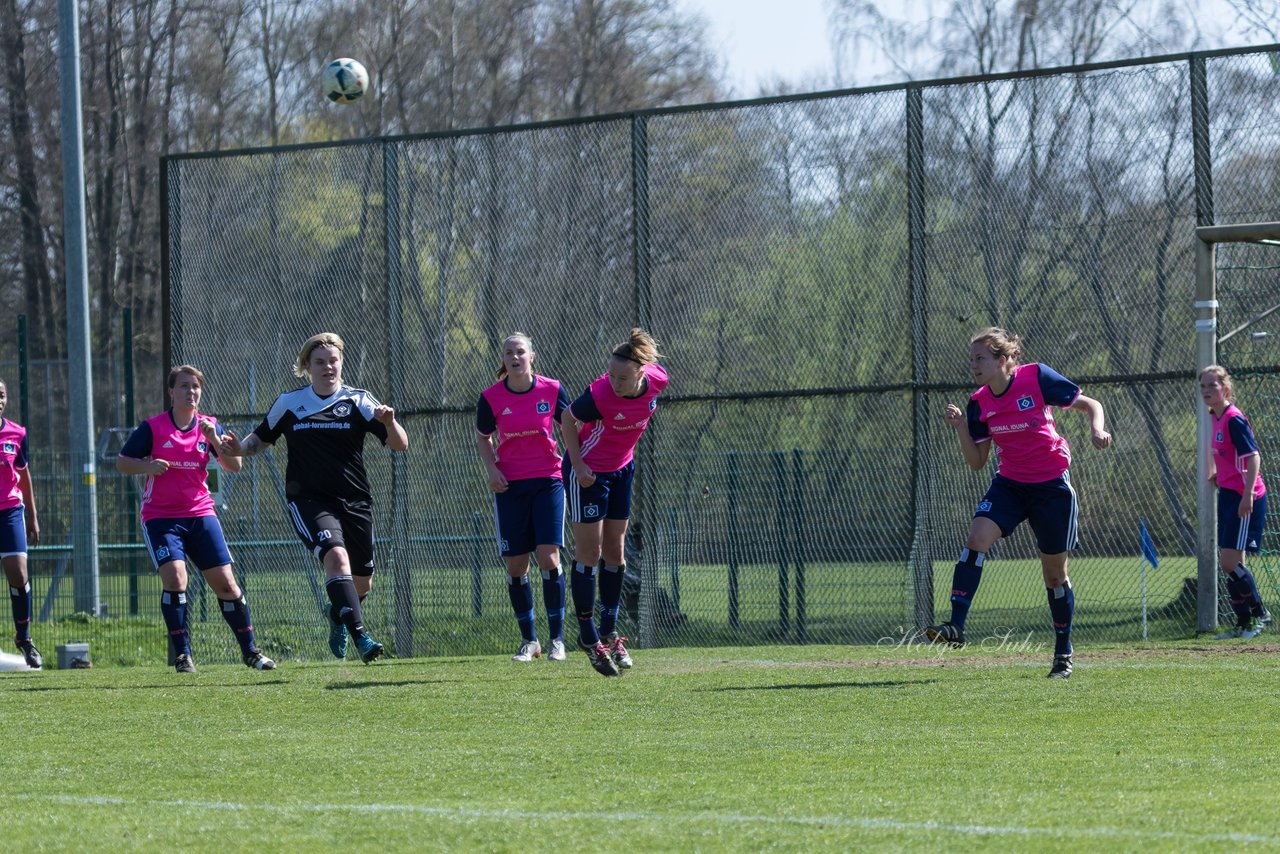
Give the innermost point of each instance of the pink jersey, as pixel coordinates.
(13, 459)
(524, 424)
(612, 425)
(1020, 422)
(181, 492)
(1233, 442)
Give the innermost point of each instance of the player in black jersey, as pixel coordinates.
(324, 425)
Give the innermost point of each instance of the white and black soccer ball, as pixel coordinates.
(345, 80)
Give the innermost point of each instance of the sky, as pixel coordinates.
(764, 39)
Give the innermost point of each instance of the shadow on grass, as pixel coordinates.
(181, 683)
(810, 686)
(346, 686)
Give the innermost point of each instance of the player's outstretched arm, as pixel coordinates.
(397, 438)
(975, 454)
(1097, 420)
(226, 461)
(484, 447)
(569, 436)
(29, 502)
(232, 446)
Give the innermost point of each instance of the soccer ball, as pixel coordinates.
(345, 80)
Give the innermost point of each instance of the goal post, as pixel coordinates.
(1206, 316)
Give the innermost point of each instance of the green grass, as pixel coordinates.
(845, 603)
(1147, 748)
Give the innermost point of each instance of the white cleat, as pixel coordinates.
(528, 651)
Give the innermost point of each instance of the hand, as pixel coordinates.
(1212, 477)
(1101, 439)
(230, 445)
(384, 413)
(585, 475)
(953, 416)
(209, 432)
(497, 483)
(1246, 506)
(33, 530)
(156, 467)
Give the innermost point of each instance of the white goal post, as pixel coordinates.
(1206, 305)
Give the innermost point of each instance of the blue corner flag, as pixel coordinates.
(1148, 547)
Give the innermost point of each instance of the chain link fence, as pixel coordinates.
(813, 268)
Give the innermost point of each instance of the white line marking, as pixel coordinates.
(663, 818)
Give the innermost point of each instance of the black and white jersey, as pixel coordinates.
(325, 438)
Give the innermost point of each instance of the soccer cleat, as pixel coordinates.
(528, 651)
(945, 633)
(1061, 667)
(337, 639)
(617, 651)
(1236, 631)
(30, 654)
(1261, 618)
(258, 661)
(184, 664)
(557, 651)
(600, 658)
(369, 648)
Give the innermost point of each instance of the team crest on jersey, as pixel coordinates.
(984, 506)
(1217, 437)
(10, 448)
(342, 410)
(653, 404)
(202, 447)
(1025, 403)
(543, 407)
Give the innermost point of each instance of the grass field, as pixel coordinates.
(846, 603)
(1146, 748)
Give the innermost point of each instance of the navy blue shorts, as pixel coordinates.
(1240, 534)
(529, 514)
(327, 525)
(13, 531)
(1050, 507)
(197, 540)
(609, 497)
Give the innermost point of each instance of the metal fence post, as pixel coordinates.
(733, 540)
(784, 579)
(798, 517)
(402, 597)
(921, 559)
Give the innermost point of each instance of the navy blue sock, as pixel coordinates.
(553, 597)
(964, 583)
(521, 593)
(173, 605)
(21, 601)
(341, 590)
(1238, 592)
(610, 596)
(1249, 583)
(1062, 608)
(583, 584)
(236, 613)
